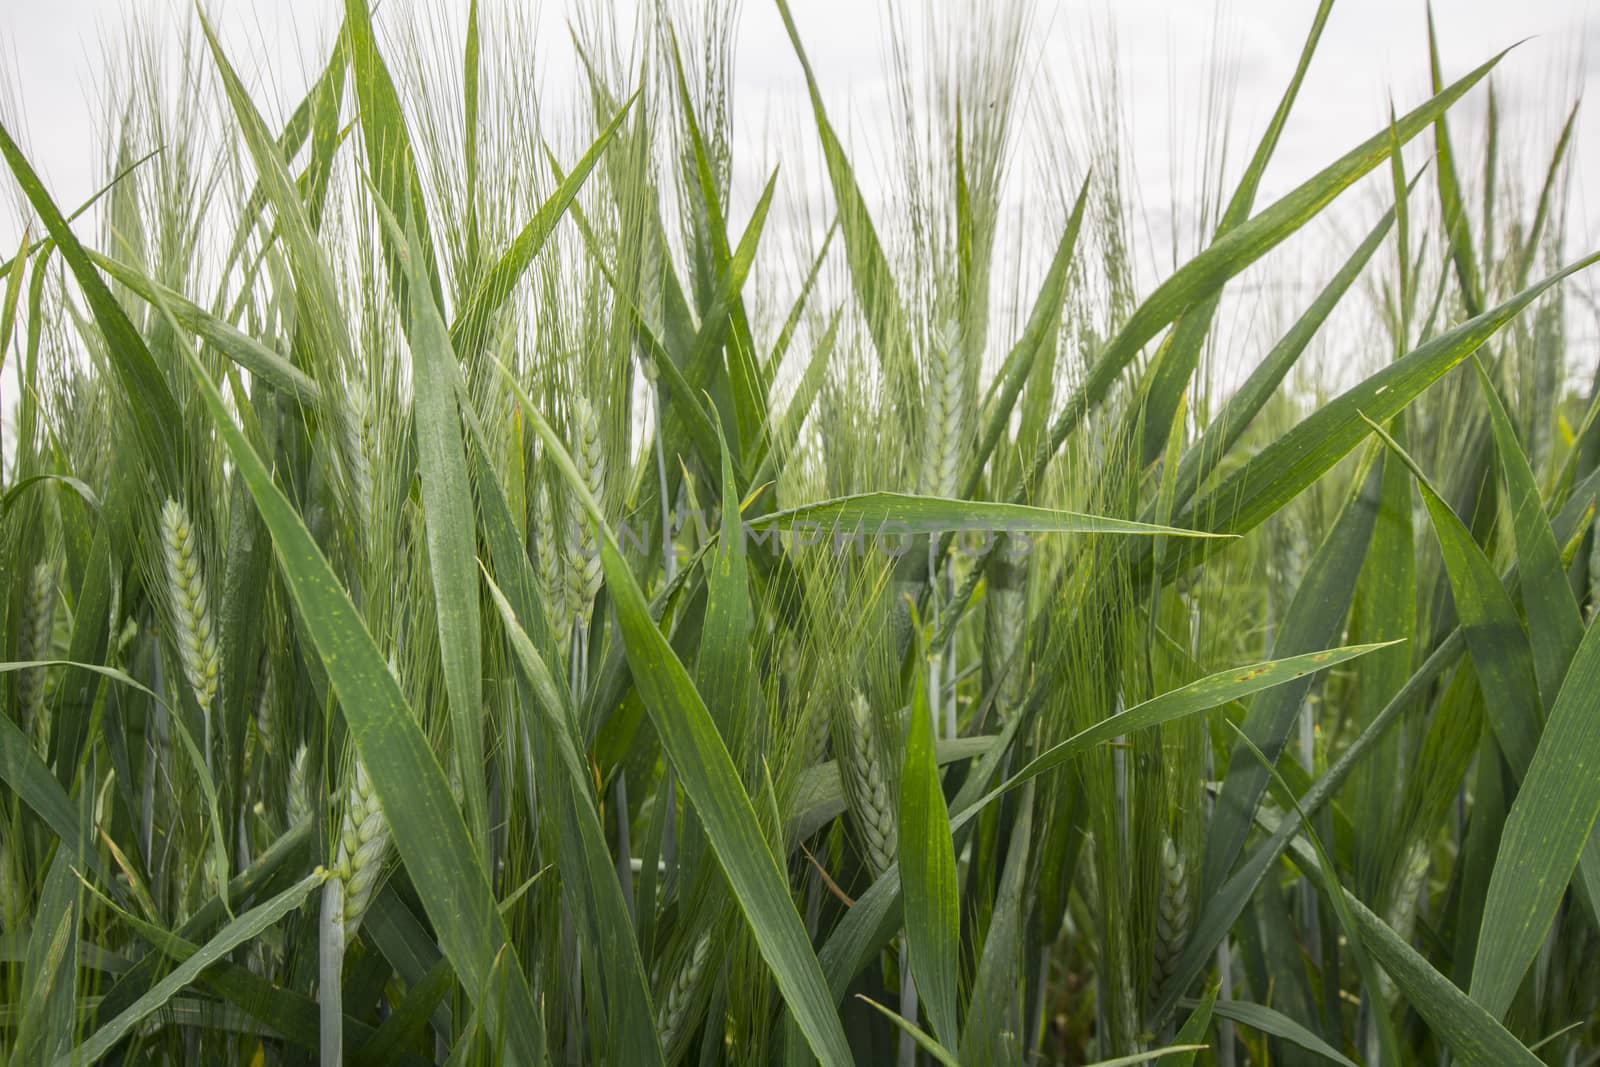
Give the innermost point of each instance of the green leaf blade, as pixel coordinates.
(927, 862)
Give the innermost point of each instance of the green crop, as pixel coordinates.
(470, 595)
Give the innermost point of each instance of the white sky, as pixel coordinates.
(50, 50)
(51, 61)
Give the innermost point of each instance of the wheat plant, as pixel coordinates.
(479, 584)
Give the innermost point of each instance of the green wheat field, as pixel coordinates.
(474, 590)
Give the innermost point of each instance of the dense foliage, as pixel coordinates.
(469, 599)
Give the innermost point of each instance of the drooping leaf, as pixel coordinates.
(1197, 696)
(1473, 1035)
(1279, 1025)
(899, 515)
(243, 349)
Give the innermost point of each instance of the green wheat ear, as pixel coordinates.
(1005, 619)
(363, 844)
(584, 574)
(38, 618)
(946, 417)
(197, 643)
(680, 995)
(866, 785)
(1401, 914)
(549, 550)
(360, 446)
(1173, 915)
(817, 724)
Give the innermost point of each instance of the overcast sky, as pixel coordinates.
(1373, 50)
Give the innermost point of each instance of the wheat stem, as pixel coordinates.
(331, 941)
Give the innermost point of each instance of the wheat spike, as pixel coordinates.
(38, 618)
(1402, 914)
(551, 572)
(363, 843)
(263, 701)
(361, 447)
(197, 643)
(817, 721)
(1005, 616)
(1173, 914)
(867, 786)
(816, 738)
(1089, 888)
(584, 574)
(680, 995)
(946, 415)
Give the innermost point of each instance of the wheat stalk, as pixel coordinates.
(362, 844)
